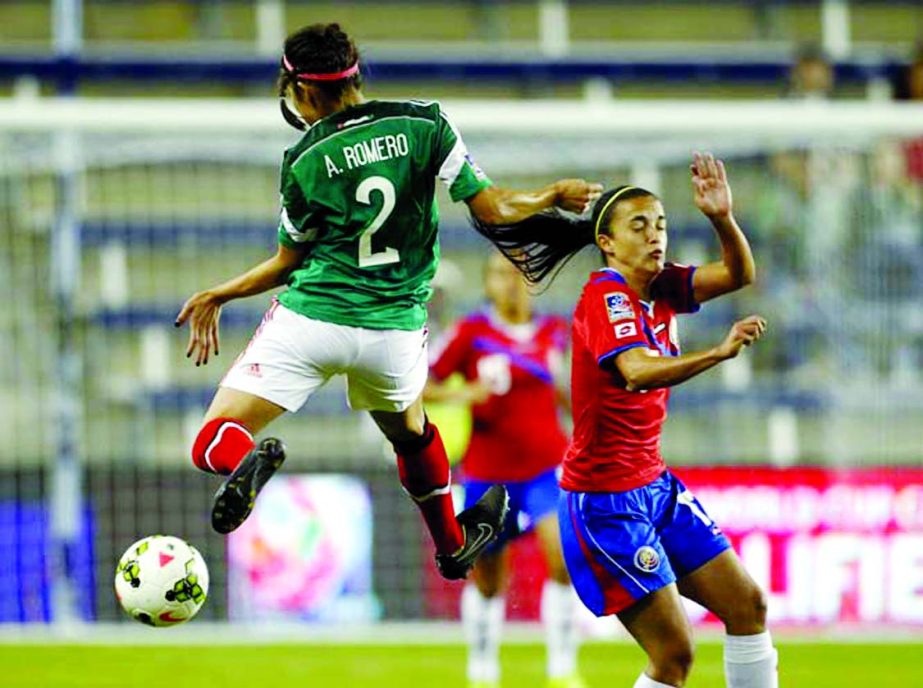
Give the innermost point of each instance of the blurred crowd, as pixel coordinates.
(813, 76)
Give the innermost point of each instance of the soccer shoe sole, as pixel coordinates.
(482, 524)
(235, 498)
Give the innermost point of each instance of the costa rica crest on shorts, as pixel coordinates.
(647, 559)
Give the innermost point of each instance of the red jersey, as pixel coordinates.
(616, 442)
(516, 434)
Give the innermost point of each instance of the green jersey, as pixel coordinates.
(358, 191)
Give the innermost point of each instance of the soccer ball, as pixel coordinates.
(161, 581)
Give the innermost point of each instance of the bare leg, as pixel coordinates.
(424, 471)
(225, 445)
(724, 587)
(558, 604)
(491, 573)
(253, 412)
(226, 435)
(402, 426)
(483, 607)
(661, 627)
(549, 537)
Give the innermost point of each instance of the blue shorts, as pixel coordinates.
(621, 546)
(530, 502)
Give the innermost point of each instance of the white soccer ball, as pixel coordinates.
(161, 580)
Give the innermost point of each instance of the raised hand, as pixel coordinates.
(576, 195)
(711, 191)
(742, 333)
(202, 310)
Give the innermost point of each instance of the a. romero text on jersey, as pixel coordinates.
(358, 191)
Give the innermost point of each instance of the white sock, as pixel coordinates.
(482, 619)
(750, 661)
(558, 614)
(644, 681)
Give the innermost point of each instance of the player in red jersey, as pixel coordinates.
(634, 537)
(511, 359)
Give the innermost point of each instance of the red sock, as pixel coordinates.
(221, 445)
(424, 470)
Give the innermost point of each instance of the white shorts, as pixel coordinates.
(291, 356)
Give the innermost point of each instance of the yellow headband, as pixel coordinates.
(612, 200)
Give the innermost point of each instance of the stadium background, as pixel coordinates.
(106, 227)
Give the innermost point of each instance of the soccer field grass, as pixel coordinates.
(419, 666)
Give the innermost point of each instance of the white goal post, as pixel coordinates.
(776, 118)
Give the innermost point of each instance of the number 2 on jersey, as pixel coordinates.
(368, 259)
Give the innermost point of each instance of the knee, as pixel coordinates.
(673, 662)
(490, 583)
(748, 616)
(406, 428)
(489, 588)
(411, 428)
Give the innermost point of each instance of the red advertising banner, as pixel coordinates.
(829, 546)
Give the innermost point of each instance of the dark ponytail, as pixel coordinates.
(319, 49)
(544, 243)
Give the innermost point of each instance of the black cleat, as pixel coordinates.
(235, 498)
(481, 524)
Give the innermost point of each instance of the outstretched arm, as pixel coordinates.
(203, 309)
(641, 369)
(497, 206)
(712, 195)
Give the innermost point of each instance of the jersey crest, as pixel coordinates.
(618, 306)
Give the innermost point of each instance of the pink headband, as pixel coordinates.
(334, 76)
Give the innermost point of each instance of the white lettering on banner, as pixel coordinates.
(836, 547)
(839, 576)
(908, 507)
(798, 579)
(842, 563)
(905, 601)
(787, 509)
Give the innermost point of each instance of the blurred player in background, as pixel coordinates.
(812, 76)
(357, 249)
(634, 537)
(512, 360)
(909, 80)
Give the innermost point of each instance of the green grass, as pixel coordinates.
(281, 666)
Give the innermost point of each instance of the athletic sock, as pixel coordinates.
(424, 471)
(221, 445)
(482, 619)
(750, 661)
(558, 608)
(644, 681)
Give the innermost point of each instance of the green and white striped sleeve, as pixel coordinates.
(457, 170)
(295, 216)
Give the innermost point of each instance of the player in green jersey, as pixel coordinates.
(357, 248)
